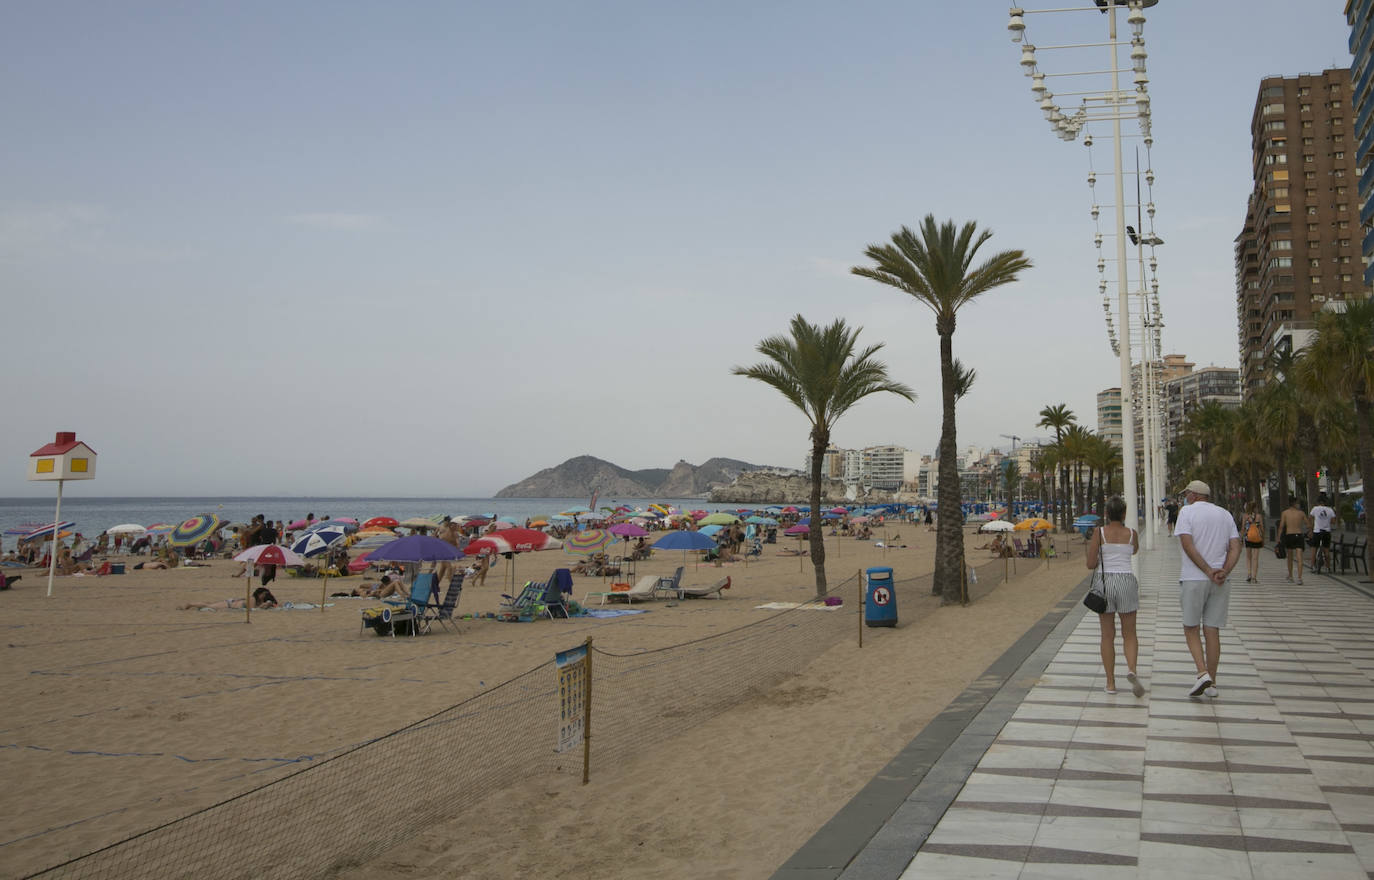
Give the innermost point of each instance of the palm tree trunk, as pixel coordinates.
(1307, 443)
(1281, 468)
(949, 535)
(820, 439)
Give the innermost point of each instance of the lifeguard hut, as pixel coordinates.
(66, 458)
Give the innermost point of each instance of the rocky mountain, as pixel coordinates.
(585, 474)
(773, 487)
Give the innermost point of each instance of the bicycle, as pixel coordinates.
(1321, 558)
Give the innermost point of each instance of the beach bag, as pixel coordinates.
(1279, 551)
(1253, 534)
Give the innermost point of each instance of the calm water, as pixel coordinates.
(94, 515)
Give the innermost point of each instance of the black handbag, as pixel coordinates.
(1095, 601)
(1279, 551)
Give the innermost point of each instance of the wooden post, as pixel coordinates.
(863, 599)
(587, 719)
(323, 587)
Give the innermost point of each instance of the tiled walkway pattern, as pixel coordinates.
(1273, 779)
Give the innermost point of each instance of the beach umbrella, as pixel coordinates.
(194, 530)
(127, 529)
(662, 509)
(373, 541)
(587, 542)
(719, 519)
(840, 510)
(790, 509)
(269, 554)
(761, 520)
(1034, 523)
(160, 528)
(45, 531)
(385, 522)
(417, 522)
(576, 511)
(860, 520)
(684, 541)
(997, 525)
(627, 530)
(509, 542)
(538, 522)
(359, 563)
(798, 529)
(711, 529)
(348, 525)
(299, 524)
(415, 548)
(376, 530)
(316, 541)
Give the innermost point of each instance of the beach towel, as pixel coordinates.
(787, 606)
(615, 612)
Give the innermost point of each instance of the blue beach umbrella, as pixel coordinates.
(684, 541)
(316, 541)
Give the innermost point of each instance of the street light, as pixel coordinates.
(1110, 105)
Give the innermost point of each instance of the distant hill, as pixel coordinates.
(586, 474)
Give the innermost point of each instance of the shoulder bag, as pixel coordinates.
(1096, 600)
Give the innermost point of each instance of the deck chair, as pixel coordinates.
(670, 584)
(443, 611)
(526, 606)
(408, 616)
(701, 592)
(646, 588)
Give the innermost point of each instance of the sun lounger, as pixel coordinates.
(647, 588)
(701, 592)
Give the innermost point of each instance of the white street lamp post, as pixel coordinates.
(1112, 106)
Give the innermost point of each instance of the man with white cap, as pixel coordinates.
(1210, 543)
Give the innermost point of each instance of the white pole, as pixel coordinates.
(1123, 297)
(56, 522)
(1146, 383)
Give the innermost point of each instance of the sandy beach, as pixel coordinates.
(123, 712)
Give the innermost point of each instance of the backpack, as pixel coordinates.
(1253, 534)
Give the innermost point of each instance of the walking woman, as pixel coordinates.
(1109, 557)
(1252, 528)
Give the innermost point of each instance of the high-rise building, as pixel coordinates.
(1300, 245)
(1189, 391)
(1109, 415)
(1359, 14)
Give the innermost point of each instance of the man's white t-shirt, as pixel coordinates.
(1212, 529)
(1322, 518)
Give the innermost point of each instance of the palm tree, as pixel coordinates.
(1011, 478)
(936, 268)
(1342, 359)
(1057, 417)
(818, 370)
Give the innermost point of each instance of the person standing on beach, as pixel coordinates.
(1211, 548)
(448, 533)
(1292, 524)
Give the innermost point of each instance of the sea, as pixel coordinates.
(94, 515)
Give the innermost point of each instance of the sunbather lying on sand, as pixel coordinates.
(262, 598)
(788, 551)
(386, 587)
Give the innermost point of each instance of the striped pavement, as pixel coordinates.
(1274, 778)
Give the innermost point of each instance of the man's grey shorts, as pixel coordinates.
(1203, 602)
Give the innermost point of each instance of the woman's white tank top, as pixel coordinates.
(1116, 558)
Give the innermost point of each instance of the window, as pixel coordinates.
(1340, 190)
(1315, 279)
(1303, 91)
(1311, 209)
(1310, 175)
(1344, 224)
(1305, 108)
(1345, 277)
(1274, 125)
(1335, 105)
(1312, 230)
(1280, 262)
(1311, 194)
(1307, 123)
(1342, 206)
(1340, 154)
(1308, 158)
(1273, 92)
(1345, 259)
(1281, 245)
(1307, 142)
(1345, 242)
(1314, 264)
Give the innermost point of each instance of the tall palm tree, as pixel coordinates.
(1342, 359)
(1076, 442)
(1057, 417)
(1278, 402)
(935, 267)
(819, 371)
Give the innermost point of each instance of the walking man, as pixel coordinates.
(1292, 525)
(1321, 517)
(1211, 548)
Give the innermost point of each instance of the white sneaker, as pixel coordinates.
(1210, 691)
(1136, 687)
(1203, 683)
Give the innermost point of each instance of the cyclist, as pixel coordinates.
(1322, 517)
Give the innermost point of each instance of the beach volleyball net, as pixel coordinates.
(343, 811)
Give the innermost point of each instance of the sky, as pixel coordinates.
(431, 248)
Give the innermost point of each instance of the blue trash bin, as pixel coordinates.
(880, 599)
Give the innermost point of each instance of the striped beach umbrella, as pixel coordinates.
(587, 542)
(269, 554)
(316, 541)
(194, 530)
(45, 531)
(160, 528)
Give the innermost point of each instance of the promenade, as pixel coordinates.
(1036, 772)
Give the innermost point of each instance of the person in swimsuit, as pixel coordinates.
(1292, 524)
(262, 598)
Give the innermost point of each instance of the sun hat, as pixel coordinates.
(1198, 487)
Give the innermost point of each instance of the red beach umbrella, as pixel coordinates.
(270, 554)
(511, 541)
(385, 522)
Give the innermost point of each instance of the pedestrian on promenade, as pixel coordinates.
(1253, 529)
(1292, 524)
(1321, 518)
(1110, 550)
(1210, 543)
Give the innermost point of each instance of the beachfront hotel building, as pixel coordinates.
(1359, 14)
(1188, 391)
(1109, 415)
(887, 467)
(1299, 249)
